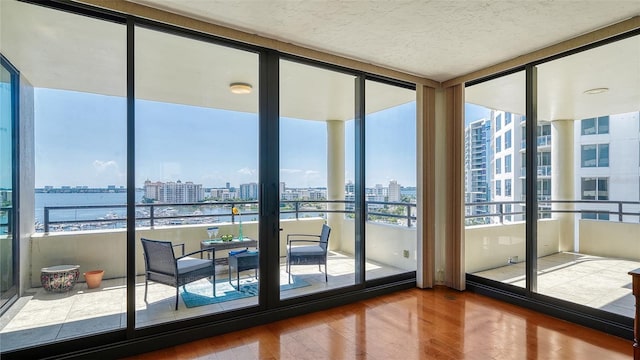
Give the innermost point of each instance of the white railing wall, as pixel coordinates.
(610, 239)
(106, 249)
(491, 246)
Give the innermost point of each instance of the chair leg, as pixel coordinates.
(326, 279)
(146, 284)
(177, 297)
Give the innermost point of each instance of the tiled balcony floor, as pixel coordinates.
(597, 282)
(40, 317)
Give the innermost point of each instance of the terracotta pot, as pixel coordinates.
(93, 278)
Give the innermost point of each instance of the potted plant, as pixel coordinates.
(93, 278)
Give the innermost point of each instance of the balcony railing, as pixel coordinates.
(6, 220)
(85, 218)
(488, 212)
(542, 140)
(543, 170)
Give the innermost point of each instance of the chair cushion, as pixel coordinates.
(310, 250)
(189, 264)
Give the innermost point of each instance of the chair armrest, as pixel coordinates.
(305, 241)
(181, 245)
(197, 252)
(289, 236)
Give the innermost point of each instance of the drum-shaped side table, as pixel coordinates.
(60, 278)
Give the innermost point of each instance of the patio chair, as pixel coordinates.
(308, 254)
(162, 266)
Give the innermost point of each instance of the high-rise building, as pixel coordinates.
(282, 187)
(173, 192)
(508, 154)
(350, 187)
(394, 191)
(607, 159)
(477, 159)
(249, 191)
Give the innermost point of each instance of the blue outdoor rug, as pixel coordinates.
(199, 293)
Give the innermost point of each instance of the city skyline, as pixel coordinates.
(173, 142)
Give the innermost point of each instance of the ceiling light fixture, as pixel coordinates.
(596, 91)
(240, 88)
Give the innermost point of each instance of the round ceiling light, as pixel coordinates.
(240, 88)
(596, 91)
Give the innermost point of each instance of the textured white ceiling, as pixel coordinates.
(56, 49)
(434, 39)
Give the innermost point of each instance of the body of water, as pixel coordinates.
(115, 217)
(82, 199)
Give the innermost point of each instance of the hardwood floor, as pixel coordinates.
(412, 324)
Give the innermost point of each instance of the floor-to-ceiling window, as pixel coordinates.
(390, 177)
(196, 147)
(582, 223)
(316, 109)
(75, 168)
(494, 179)
(8, 123)
(591, 100)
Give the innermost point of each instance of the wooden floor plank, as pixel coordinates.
(412, 324)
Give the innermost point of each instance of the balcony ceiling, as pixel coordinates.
(433, 39)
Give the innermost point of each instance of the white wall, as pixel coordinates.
(385, 243)
(610, 239)
(491, 246)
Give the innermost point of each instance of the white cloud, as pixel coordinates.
(311, 172)
(247, 171)
(291, 171)
(102, 166)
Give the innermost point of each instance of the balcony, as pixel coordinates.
(40, 316)
(579, 260)
(594, 274)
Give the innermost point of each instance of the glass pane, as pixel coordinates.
(390, 234)
(316, 152)
(495, 227)
(588, 126)
(588, 155)
(7, 210)
(603, 125)
(603, 155)
(196, 161)
(79, 176)
(590, 242)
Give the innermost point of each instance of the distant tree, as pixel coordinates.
(146, 200)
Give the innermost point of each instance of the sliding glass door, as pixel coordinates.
(494, 182)
(196, 147)
(317, 240)
(390, 191)
(589, 221)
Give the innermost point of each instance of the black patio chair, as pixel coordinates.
(162, 266)
(308, 254)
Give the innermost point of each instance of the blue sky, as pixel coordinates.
(80, 139)
(475, 112)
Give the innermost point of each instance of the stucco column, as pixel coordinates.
(562, 173)
(335, 179)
